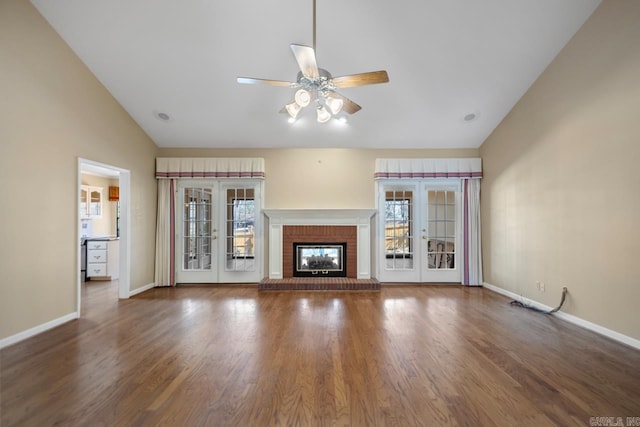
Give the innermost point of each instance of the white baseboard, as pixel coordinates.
(6, 342)
(617, 336)
(141, 289)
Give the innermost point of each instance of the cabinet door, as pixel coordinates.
(96, 270)
(96, 244)
(90, 202)
(95, 202)
(84, 202)
(98, 255)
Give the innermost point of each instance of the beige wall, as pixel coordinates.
(318, 178)
(52, 111)
(561, 193)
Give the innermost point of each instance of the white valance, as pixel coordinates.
(209, 167)
(428, 168)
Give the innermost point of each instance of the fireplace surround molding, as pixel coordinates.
(359, 218)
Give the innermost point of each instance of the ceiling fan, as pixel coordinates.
(317, 85)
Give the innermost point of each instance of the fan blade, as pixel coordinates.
(361, 79)
(306, 58)
(252, 81)
(348, 105)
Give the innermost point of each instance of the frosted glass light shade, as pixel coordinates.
(334, 104)
(323, 115)
(302, 97)
(293, 109)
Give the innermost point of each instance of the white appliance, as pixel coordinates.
(86, 228)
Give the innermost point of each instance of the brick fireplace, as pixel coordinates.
(315, 234)
(351, 226)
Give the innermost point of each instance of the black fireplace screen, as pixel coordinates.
(319, 259)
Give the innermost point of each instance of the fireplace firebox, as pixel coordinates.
(319, 259)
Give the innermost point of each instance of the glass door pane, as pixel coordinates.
(84, 203)
(398, 230)
(441, 230)
(197, 230)
(95, 206)
(240, 229)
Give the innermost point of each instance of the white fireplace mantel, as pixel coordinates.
(361, 218)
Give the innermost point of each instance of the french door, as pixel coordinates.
(218, 232)
(419, 225)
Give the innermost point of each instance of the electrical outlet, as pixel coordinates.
(537, 284)
(541, 286)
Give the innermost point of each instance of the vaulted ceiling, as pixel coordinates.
(456, 67)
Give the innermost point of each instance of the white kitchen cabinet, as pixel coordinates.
(102, 259)
(90, 202)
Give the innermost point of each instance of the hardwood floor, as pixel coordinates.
(407, 355)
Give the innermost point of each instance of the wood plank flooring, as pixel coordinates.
(233, 356)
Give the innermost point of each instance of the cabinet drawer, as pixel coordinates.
(96, 269)
(97, 255)
(93, 244)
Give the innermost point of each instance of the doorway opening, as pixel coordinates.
(103, 213)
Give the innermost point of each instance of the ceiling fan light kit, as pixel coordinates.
(316, 85)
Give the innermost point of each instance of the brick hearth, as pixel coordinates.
(319, 284)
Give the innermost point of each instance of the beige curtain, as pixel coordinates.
(165, 232)
(472, 274)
